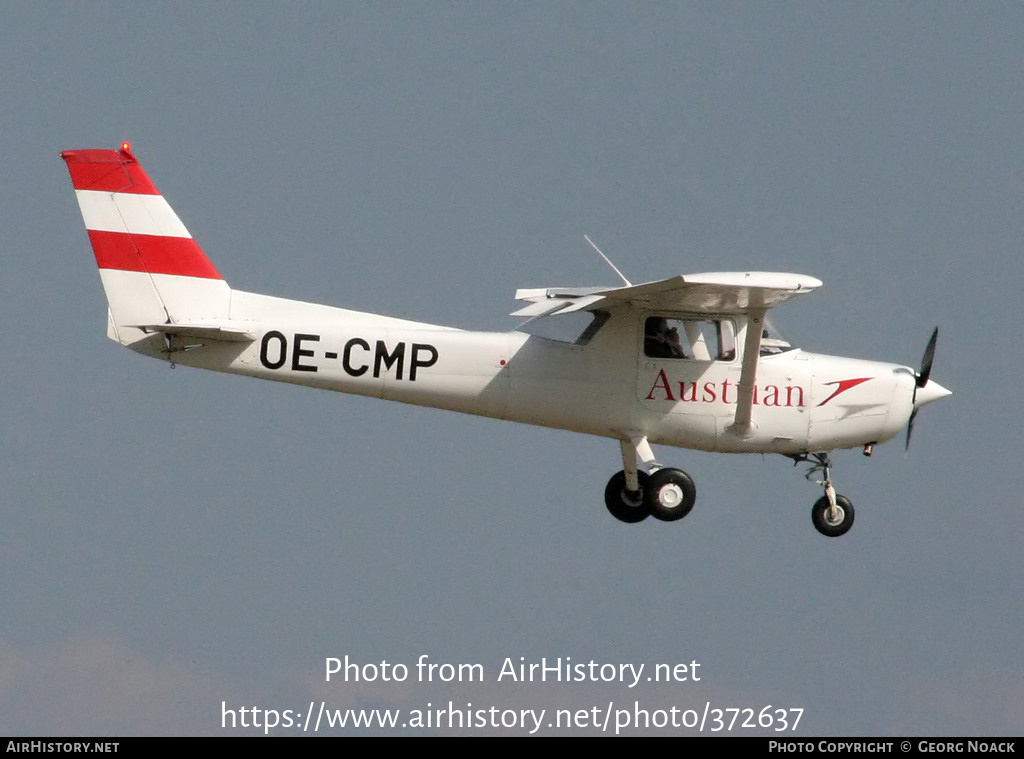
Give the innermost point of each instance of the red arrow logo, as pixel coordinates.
(844, 385)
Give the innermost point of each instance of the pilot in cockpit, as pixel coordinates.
(661, 340)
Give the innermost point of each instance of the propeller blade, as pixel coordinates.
(926, 360)
(910, 428)
(921, 380)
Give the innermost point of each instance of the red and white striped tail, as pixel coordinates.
(152, 270)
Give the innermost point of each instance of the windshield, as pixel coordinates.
(773, 341)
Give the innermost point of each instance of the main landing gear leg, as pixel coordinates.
(632, 494)
(831, 514)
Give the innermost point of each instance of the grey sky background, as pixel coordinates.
(172, 539)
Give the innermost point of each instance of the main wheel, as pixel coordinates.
(832, 526)
(622, 505)
(670, 494)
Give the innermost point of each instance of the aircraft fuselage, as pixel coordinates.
(606, 387)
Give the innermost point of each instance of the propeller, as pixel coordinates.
(921, 379)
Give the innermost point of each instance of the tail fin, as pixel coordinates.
(153, 272)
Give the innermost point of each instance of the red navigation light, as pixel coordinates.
(126, 147)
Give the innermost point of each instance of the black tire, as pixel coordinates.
(819, 515)
(620, 505)
(670, 494)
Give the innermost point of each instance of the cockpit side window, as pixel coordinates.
(694, 339)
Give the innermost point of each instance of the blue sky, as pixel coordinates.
(175, 539)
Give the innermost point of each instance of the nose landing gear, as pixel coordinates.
(831, 514)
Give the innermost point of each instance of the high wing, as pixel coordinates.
(749, 293)
(709, 293)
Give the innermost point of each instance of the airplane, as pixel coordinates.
(690, 361)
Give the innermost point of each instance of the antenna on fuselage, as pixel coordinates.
(608, 261)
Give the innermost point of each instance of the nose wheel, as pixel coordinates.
(832, 520)
(832, 514)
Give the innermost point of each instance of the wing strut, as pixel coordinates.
(741, 424)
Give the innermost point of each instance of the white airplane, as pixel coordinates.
(690, 361)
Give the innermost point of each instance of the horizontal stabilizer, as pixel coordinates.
(225, 333)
